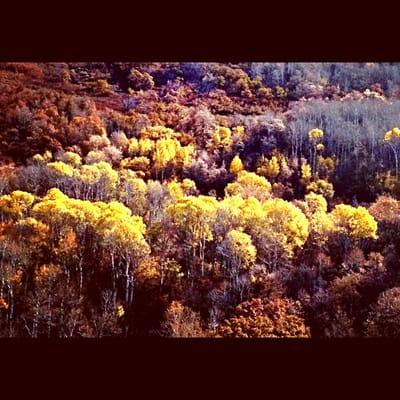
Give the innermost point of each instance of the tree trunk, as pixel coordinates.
(127, 282)
(80, 276)
(114, 289)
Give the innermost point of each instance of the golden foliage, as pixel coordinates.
(236, 165)
(221, 138)
(113, 222)
(287, 224)
(239, 249)
(16, 204)
(181, 321)
(321, 186)
(3, 304)
(315, 134)
(356, 222)
(256, 319)
(392, 134)
(72, 158)
(306, 174)
(181, 189)
(61, 168)
(269, 168)
(120, 312)
(249, 184)
(194, 214)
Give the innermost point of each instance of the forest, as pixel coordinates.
(207, 200)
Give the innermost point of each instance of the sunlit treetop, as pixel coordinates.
(112, 221)
(236, 165)
(321, 186)
(315, 134)
(195, 215)
(306, 174)
(277, 220)
(249, 184)
(232, 203)
(46, 157)
(117, 226)
(221, 138)
(158, 132)
(188, 184)
(251, 211)
(316, 202)
(16, 204)
(240, 248)
(239, 130)
(102, 170)
(320, 222)
(141, 163)
(184, 155)
(162, 146)
(180, 189)
(357, 222)
(133, 146)
(269, 168)
(38, 158)
(288, 222)
(146, 146)
(326, 164)
(61, 168)
(392, 134)
(58, 208)
(73, 159)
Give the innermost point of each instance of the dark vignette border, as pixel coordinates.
(109, 32)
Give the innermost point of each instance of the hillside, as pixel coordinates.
(199, 199)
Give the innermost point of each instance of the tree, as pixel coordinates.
(389, 137)
(320, 222)
(384, 317)
(181, 321)
(238, 253)
(355, 222)
(221, 139)
(16, 204)
(269, 168)
(249, 184)
(61, 168)
(236, 165)
(116, 229)
(287, 223)
(321, 186)
(193, 216)
(315, 135)
(259, 319)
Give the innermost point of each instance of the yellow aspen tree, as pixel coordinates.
(249, 184)
(236, 165)
(238, 252)
(391, 137)
(61, 169)
(16, 204)
(315, 135)
(321, 186)
(269, 168)
(356, 222)
(193, 217)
